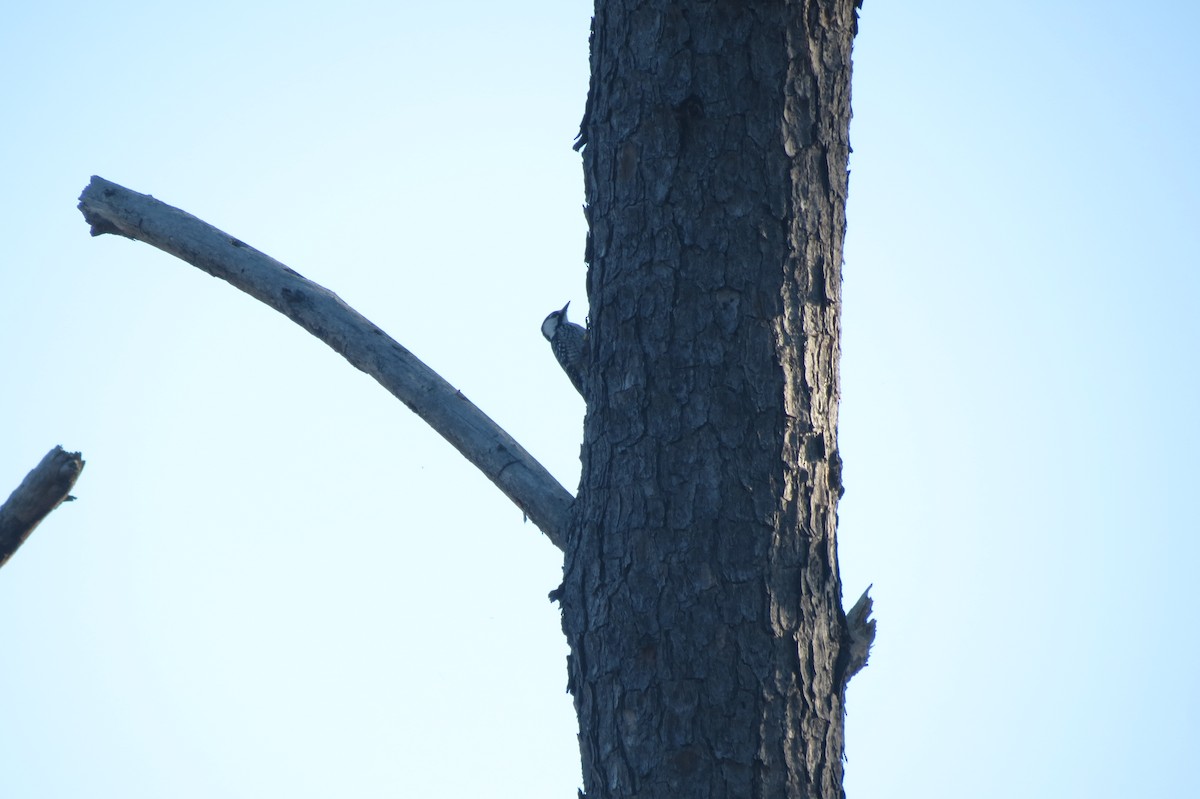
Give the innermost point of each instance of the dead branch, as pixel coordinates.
(110, 208)
(42, 490)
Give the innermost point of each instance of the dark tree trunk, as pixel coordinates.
(701, 599)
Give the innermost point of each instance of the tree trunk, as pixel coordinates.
(701, 597)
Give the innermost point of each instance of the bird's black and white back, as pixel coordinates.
(568, 341)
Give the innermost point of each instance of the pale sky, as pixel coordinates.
(277, 581)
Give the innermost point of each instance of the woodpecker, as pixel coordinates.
(568, 341)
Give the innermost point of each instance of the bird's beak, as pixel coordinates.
(564, 310)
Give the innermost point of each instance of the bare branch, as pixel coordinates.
(42, 490)
(110, 208)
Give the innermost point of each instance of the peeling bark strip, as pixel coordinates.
(42, 490)
(702, 599)
(110, 208)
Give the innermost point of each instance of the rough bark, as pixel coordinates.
(701, 598)
(46, 487)
(110, 208)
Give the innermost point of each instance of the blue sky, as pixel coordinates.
(277, 581)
